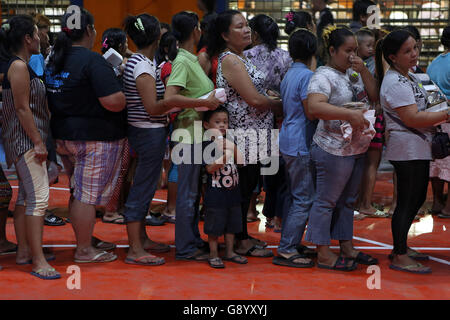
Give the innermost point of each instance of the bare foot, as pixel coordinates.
(155, 246)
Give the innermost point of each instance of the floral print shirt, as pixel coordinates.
(274, 64)
(251, 123)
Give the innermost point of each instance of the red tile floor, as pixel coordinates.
(259, 280)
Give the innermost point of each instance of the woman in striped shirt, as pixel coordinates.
(25, 125)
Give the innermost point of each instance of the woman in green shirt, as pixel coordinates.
(186, 84)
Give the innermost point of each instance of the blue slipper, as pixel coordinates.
(40, 276)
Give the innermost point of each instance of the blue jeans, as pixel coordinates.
(338, 181)
(150, 146)
(300, 172)
(187, 234)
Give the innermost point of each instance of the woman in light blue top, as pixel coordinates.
(439, 69)
(295, 142)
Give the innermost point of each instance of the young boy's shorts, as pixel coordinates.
(220, 221)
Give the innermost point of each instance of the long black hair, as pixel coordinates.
(66, 38)
(267, 29)
(445, 38)
(114, 38)
(183, 24)
(143, 29)
(387, 46)
(205, 25)
(300, 19)
(169, 42)
(222, 23)
(12, 34)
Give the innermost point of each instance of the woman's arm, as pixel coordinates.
(414, 118)
(146, 86)
(369, 81)
(307, 112)
(115, 102)
(173, 99)
(318, 107)
(205, 62)
(236, 74)
(19, 78)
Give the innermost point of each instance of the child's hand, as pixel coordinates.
(357, 63)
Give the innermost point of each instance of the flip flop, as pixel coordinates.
(414, 255)
(159, 248)
(289, 262)
(38, 274)
(219, 264)
(9, 251)
(410, 267)
(168, 219)
(105, 246)
(250, 251)
(236, 259)
(96, 258)
(156, 261)
(363, 258)
(199, 255)
(444, 216)
(341, 264)
(304, 250)
(377, 214)
(114, 221)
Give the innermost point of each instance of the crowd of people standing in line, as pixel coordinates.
(111, 128)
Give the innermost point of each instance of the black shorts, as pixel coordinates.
(220, 221)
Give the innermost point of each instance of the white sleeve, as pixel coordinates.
(144, 67)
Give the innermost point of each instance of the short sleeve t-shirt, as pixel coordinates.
(340, 88)
(73, 98)
(297, 131)
(398, 91)
(189, 75)
(222, 187)
(439, 72)
(138, 65)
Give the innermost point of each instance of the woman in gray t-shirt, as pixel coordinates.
(339, 160)
(409, 145)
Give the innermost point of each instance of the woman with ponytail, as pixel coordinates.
(339, 161)
(408, 148)
(25, 126)
(186, 84)
(147, 133)
(88, 124)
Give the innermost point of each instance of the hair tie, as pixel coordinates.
(6, 27)
(105, 45)
(139, 25)
(67, 31)
(290, 16)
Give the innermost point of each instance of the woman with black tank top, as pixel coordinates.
(25, 125)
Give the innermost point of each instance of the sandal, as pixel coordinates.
(138, 261)
(413, 255)
(115, 220)
(289, 262)
(376, 214)
(38, 273)
(411, 267)
(158, 248)
(102, 245)
(249, 253)
(258, 242)
(304, 250)
(97, 258)
(363, 258)
(199, 255)
(341, 264)
(237, 259)
(216, 263)
(444, 216)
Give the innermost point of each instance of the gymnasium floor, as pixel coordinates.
(258, 280)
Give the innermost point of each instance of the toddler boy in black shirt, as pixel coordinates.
(222, 198)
